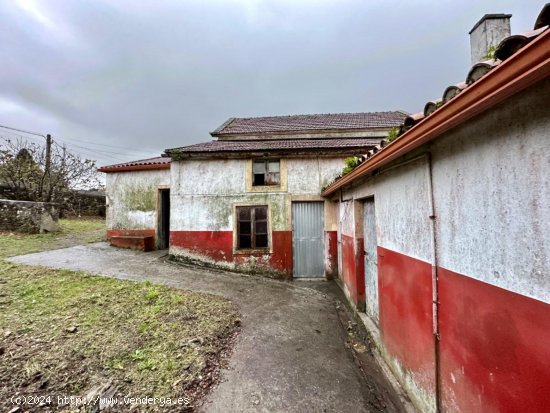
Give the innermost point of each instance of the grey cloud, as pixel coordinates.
(152, 75)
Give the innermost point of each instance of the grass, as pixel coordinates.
(73, 232)
(63, 333)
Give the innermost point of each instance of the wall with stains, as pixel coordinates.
(132, 201)
(401, 288)
(489, 247)
(492, 198)
(205, 193)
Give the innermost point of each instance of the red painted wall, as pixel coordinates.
(406, 324)
(218, 246)
(134, 244)
(353, 269)
(131, 232)
(496, 345)
(331, 254)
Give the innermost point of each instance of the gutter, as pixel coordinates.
(523, 69)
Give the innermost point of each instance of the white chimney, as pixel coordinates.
(487, 33)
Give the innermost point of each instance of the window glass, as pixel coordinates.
(252, 229)
(266, 172)
(273, 166)
(261, 227)
(259, 167)
(261, 241)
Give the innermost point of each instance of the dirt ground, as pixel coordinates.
(294, 352)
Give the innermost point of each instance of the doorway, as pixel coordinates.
(163, 231)
(308, 239)
(371, 258)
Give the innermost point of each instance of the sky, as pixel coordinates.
(123, 79)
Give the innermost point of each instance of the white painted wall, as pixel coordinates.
(492, 195)
(309, 176)
(204, 191)
(402, 206)
(122, 188)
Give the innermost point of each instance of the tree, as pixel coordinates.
(22, 169)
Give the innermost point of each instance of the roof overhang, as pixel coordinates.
(295, 153)
(130, 168)
(528, 66)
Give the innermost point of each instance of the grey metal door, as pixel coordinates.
(308, 239)
(371, 259)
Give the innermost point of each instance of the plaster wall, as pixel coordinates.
(132, 198)
(205, 193)
(492, 196)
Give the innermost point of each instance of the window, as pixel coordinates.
(252, 227)
(266, 172)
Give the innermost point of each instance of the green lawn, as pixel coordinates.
(73, 232)
(63, 333)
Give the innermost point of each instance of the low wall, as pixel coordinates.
(29, 217)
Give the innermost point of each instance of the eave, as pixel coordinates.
(134, 168)
(523, 69)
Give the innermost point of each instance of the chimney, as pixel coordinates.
(487, 33)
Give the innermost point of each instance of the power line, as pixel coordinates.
(99, 144)
(94, 153)
(97, 150)
(22, 130)
(68, 141)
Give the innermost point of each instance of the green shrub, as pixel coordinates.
(350, 164)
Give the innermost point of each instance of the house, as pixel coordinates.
(138, 203)
(249, 200)
(445, 248)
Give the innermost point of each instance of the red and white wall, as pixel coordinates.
(132, 201)
(205, 192)
(489, 246)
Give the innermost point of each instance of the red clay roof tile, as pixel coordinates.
(299, 123)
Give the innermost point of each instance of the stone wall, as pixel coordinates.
(76, 203)
(85, 204)
(29, 217)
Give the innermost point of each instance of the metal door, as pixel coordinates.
(308, 239)
(371, 259)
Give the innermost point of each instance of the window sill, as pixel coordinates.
(266, 188)
(250, 251)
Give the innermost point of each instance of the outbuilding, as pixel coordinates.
(138, 203)
(445, 248)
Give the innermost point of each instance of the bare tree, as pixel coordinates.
(23, 170)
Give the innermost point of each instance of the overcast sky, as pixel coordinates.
(128, 79)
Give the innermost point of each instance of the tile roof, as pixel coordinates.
(280, 145)
(149, 163)
(298, 123)
(507, 48)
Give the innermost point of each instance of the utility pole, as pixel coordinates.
(48, 155)
(47, 166)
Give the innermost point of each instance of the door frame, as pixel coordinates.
(162, 237)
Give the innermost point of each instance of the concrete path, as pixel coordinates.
(291, 354)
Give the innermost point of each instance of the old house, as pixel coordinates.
(444, 234)
(138, 203)
(250, 199)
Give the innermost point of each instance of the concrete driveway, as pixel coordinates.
(291, 355)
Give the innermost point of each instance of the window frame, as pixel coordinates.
(266, 162)
(253, 233)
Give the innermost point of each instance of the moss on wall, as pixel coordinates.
(140, 198)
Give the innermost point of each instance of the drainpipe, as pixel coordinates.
(435, 293)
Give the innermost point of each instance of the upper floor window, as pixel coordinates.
(266, 172)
